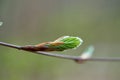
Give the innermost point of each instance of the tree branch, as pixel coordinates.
(78, 59)
(10, 45)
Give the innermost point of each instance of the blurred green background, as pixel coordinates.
(27, 22)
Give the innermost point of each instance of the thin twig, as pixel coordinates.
(10, 45)
(79, 59)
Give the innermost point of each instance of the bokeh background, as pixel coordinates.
(27, 22)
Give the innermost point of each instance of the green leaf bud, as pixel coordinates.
(69, 42)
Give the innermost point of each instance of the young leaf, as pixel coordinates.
(68, 42)
(88, 52)
(1, 23)
(61, 44)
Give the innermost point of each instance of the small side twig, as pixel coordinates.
(78, 59)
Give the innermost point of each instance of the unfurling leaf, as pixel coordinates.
(69, 42)
(61, 44)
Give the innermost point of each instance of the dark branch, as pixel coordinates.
(10, 45)
(78, 59)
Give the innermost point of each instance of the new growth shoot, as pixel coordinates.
(1, 23)
(61, 44)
